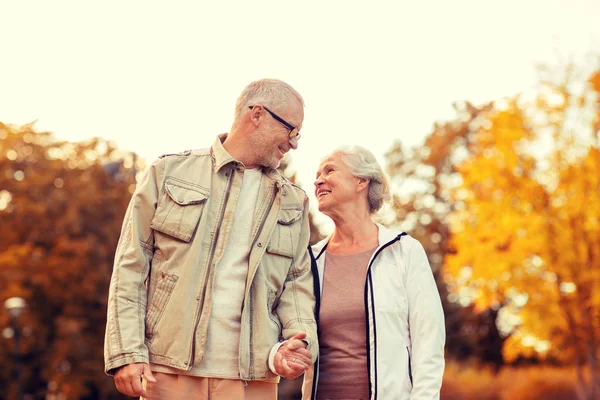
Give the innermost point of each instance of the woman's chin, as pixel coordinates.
(324, 207)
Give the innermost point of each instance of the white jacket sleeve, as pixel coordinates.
(426, 324)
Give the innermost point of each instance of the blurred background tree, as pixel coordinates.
(526, 222)
(61, 207)
(422, 180)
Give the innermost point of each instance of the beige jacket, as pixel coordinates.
(174, 233)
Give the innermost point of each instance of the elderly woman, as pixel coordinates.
(381, 324)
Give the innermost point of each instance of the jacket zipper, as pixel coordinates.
(208, 267)
(369, 285)
(250, 305)
(317, 290)
(409, 367)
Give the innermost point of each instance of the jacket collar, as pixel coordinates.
(385, 235)
(221, 158)
(219, 155)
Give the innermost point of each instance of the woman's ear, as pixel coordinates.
(362, 184)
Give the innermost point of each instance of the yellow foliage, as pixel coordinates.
(529, 226)
(594, 81)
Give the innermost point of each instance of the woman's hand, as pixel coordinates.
(292, 359)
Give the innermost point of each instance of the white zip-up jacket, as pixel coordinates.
(405, 321)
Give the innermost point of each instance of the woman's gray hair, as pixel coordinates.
(363, 164)
(272, 93)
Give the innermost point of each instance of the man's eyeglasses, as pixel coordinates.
(294, 134)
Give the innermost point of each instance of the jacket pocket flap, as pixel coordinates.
(287, 217)
(184, 195)
(274, 248)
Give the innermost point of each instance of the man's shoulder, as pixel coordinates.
(188, 153)
(183, 163)
(187, 157)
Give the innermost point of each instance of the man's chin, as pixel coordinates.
(273, 163)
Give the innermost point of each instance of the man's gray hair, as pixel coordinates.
(363, 164)
(272, 93)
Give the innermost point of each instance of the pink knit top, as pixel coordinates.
(343, 370)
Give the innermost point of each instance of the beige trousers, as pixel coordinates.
(177, 387)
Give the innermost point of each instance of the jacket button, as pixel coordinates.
(259, 244)
(185, 363)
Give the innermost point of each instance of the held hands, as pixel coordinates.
(128, 379)
(290, 361)
(292, 358)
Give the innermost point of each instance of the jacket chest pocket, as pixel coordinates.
(179, 209)
(285, 235)
(391, 293)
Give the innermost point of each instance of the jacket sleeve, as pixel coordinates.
(296, 309)
(125, 327)
(426, 324)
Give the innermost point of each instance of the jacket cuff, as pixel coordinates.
(272, 356)
(113, 365)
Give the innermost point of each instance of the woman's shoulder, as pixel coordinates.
(403, 243)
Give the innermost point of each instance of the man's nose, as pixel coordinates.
(294, 143)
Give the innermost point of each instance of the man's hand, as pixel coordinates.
(292, 359)
(128, 379)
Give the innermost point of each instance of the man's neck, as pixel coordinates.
(238, 149)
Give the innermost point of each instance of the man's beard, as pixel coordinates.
(270, 161)
(266, 158)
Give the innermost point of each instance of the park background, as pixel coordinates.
(485, 114)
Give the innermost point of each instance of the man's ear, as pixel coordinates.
(255, 114)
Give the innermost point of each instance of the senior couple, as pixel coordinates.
(216, 294)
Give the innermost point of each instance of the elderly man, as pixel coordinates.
(211, 294)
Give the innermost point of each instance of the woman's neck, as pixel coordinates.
(353, 235)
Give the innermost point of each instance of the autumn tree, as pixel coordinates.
(422, 179)
(525, 231)
(61, 208)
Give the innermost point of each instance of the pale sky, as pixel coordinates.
(162, 77)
